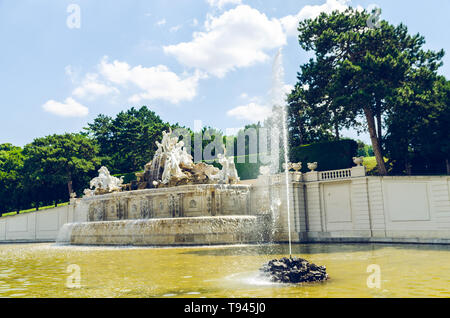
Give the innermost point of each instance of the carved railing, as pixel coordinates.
(335, 174)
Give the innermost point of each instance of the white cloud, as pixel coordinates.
(237, 38)
(71, 73)
(251, 112)
(290, 22)
(161, 22)
(175, 28)
(221, 3)
(91, 87)
(156, 82)
(70, 108)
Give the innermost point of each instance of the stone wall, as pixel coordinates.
(181, 201)
(376, 209)
(40, 226)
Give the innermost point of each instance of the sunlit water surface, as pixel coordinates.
(40, 270)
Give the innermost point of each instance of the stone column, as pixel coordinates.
(376, 207)
(279, 196)
(311, 176)
(360, 208)
(313, 208)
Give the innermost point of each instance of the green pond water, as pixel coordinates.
(48, 270)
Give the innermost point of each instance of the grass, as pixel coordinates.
(371, 163)
(34, 209)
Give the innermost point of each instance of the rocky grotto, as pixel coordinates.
(294, 271)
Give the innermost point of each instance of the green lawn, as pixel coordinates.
(34, 209)
(371, 163)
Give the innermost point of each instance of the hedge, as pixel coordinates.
(332, 155)
(127, 177)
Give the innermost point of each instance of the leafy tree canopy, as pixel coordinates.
(358, 71)
(57, 160)
(127, 142)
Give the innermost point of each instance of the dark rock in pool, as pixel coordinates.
(294, 270)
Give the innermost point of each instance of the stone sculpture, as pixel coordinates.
(172, 165)
(297, 166)
(358, 161)
(312, 166)
(104, 183)
(228, 174)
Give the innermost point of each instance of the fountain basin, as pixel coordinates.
(202, 200)
(169, 231)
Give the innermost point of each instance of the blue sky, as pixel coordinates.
(187, 60)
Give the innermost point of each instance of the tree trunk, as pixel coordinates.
(379, 127)
(408, 167)
(300, 134)
(336, 131)
(69, 187)
(300, 128)
(375, 142)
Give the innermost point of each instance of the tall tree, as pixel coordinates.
(11, 186)
(127, 142)
(418, 136)
(357, 71)
(308, 124)
(58, 160)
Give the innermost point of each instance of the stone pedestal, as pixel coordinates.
(311, 176)
(358, 171)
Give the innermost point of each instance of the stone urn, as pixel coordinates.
(297, 166)
(312, 166)
(289, 166)
(358, 161)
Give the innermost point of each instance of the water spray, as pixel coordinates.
(279, 99)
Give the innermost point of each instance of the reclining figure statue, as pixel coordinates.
(104, 183)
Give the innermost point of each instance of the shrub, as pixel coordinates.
(247, 170)
(127, 177)
(332, 155)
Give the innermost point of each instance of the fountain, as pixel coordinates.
(294, 270)
(279, 100)
(174, 202)
(288, 270)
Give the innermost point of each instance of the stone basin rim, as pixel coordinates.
(174, 220)
(177, 189)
